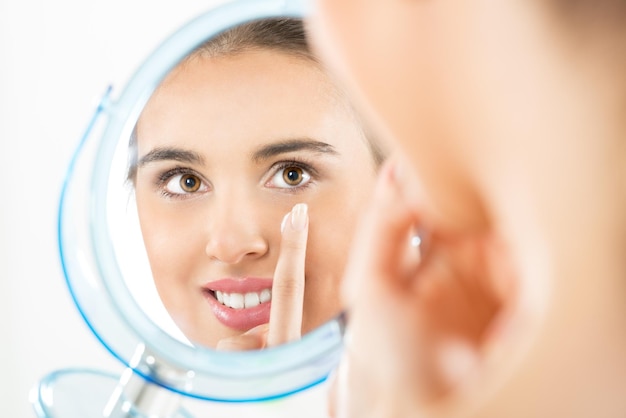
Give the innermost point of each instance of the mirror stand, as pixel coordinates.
(80, 392)
(136, 397)
(139, 396)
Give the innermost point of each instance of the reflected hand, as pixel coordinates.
(287, 290)
(418, 324)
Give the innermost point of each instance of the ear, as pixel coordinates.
(464, 294)
(474, 315)
(427, 331)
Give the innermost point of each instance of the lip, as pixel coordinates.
(239, 319)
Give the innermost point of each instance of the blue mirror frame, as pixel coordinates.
(95, 280)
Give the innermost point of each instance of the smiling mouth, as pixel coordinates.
(240, 303)
(242, 300)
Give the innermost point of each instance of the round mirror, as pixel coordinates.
(244, 129)
(208, 212)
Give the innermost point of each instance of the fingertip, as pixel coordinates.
(243, 342)
(259, 329)
(391, 213)
(297, 218)
(387, 175)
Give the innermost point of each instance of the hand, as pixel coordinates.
(417, 322)
(287, 290)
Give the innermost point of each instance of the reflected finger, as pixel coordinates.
(253, 339)
(288, 285)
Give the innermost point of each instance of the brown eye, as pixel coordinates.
(189, 183)
(289, 176)
(293, 175)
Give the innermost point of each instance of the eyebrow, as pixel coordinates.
(171, 154)
(291, 145)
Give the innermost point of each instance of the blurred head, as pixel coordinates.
(512, 114)
(465, 86)
(248, 125)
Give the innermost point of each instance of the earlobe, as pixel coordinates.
(457, 361)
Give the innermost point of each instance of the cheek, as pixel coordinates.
(171, 242)
(335, 212)
(330, 237)
(332, 224)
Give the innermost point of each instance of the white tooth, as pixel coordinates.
(226, 298)
(266, 296)
(219, 296)
(251, 299)
(236, 300)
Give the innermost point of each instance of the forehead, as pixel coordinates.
(244, 99)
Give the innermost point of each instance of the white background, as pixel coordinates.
(56, 57)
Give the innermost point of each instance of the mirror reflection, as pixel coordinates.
(249, 168)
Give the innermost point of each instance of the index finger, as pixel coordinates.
(288, 284)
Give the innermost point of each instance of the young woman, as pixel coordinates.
(246, 128)
(511, 115)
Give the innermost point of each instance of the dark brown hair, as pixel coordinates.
(286, 35)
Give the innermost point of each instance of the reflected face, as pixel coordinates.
(226, 147)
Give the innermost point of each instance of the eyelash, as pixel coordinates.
(166, 176)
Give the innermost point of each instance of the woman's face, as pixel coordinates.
(226, 147)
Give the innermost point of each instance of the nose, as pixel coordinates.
(235, 232)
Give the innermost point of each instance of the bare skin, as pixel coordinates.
(217, 144)
(510, 116)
